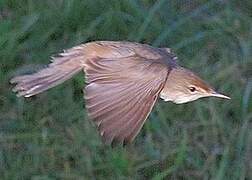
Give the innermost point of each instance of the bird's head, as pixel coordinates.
(183, 86)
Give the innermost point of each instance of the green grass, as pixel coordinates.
(49, 136)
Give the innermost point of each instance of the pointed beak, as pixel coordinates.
(216, 94)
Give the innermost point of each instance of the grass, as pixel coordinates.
(49, 136)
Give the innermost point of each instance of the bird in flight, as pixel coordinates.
(124, 80)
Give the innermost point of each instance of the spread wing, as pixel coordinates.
(121, 93)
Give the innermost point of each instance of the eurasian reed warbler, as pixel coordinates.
(124, 80)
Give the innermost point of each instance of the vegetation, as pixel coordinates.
(49, 136)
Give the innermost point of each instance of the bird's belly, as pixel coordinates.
(164, 96)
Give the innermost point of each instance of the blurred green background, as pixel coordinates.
(49, 136)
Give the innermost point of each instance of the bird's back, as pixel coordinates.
(122, 49)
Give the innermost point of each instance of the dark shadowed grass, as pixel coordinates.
(49, 136)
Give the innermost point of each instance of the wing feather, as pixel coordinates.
(121, 93)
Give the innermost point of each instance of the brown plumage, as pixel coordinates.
(124, 80)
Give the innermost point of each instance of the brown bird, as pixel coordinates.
(124, 80)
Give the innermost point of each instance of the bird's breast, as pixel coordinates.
(163, 95)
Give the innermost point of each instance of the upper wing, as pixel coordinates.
(121, 93)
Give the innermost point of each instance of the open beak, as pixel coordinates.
(216, 94)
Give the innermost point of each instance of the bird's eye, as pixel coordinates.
(192, 89)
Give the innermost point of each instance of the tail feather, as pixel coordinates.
(61, 69)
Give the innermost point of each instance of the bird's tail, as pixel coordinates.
(62, 68)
